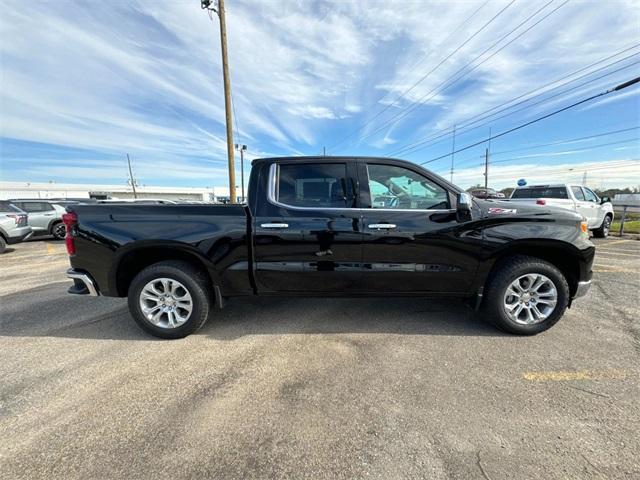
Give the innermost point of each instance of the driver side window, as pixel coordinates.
(394, 187)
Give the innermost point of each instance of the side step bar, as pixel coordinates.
(83, 284)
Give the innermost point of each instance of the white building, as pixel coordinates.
(73, 190)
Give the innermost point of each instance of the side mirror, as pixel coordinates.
(605, 200)
(463, 207)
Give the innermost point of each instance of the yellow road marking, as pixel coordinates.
(50, 249)
(564, 376)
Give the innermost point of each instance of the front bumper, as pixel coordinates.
(583, 289)
(83, 283)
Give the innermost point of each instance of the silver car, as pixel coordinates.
(14, 225)
(45, 217)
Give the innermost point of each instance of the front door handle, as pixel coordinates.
(274, 225)
(382, 226)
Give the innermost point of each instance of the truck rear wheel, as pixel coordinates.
(170, 299)
(526, 296)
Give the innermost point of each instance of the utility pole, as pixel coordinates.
(486, 168)
(584, 179)
(206, 5)
(453, 149)
(324, 152)
(131, 179)
(242, 149)
(486, 162)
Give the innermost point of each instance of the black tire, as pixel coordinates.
(58, 230)
(3, 244)
(194, 281)
(507, 272)
(603, 230)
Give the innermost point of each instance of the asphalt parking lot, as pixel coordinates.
(316, 388)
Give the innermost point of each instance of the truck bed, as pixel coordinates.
(216, 234)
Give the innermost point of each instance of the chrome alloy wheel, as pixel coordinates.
(530, 299)
(166, 303)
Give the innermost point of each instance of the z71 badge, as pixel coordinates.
(502, 211)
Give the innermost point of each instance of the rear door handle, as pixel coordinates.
(274, 225)
(382, 226)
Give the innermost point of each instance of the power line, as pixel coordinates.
(616, 164)
(448, 83)
(568, 140)
(412, 147)
(557, 142)
(428, 55)
(582, 149)
(421, 79)
(538, 119)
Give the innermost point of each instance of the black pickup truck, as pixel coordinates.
(332, 226)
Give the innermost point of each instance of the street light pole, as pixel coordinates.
(242, 149)
(206, 4)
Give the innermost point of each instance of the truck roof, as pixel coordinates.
(328, 159)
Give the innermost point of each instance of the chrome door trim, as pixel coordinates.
(271, 198)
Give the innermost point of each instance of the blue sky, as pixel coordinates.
(83, 83)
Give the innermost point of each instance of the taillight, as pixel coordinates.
(70, 221)
(16, 218)
(541, 201)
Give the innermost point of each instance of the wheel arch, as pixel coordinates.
(133, 260)
(563, 256)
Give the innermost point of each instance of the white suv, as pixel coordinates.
(597, 211)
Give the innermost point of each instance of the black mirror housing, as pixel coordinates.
(463, 207)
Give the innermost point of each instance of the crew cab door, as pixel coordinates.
(584, 207)
(412, 241)
(596, 211)
(308, 235)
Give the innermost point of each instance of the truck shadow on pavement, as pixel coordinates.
(49, 311)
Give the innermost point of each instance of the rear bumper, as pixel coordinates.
(83, 283)
(19, 234)
(583, 289)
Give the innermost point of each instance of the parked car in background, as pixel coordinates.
(597, 211)
(45, 216)
(14, 226)
(485, 193)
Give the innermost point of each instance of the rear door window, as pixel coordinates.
(540, 192)
(313, 185)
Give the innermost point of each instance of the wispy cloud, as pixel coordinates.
(144, 77)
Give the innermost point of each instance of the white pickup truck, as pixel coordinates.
(597, 211)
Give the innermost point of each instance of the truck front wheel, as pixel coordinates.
(170, 299)
(526, 296)
(603, 230)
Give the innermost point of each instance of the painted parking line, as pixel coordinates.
(617, 242)
(600, 252)
(610, 269)
(566, 376)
